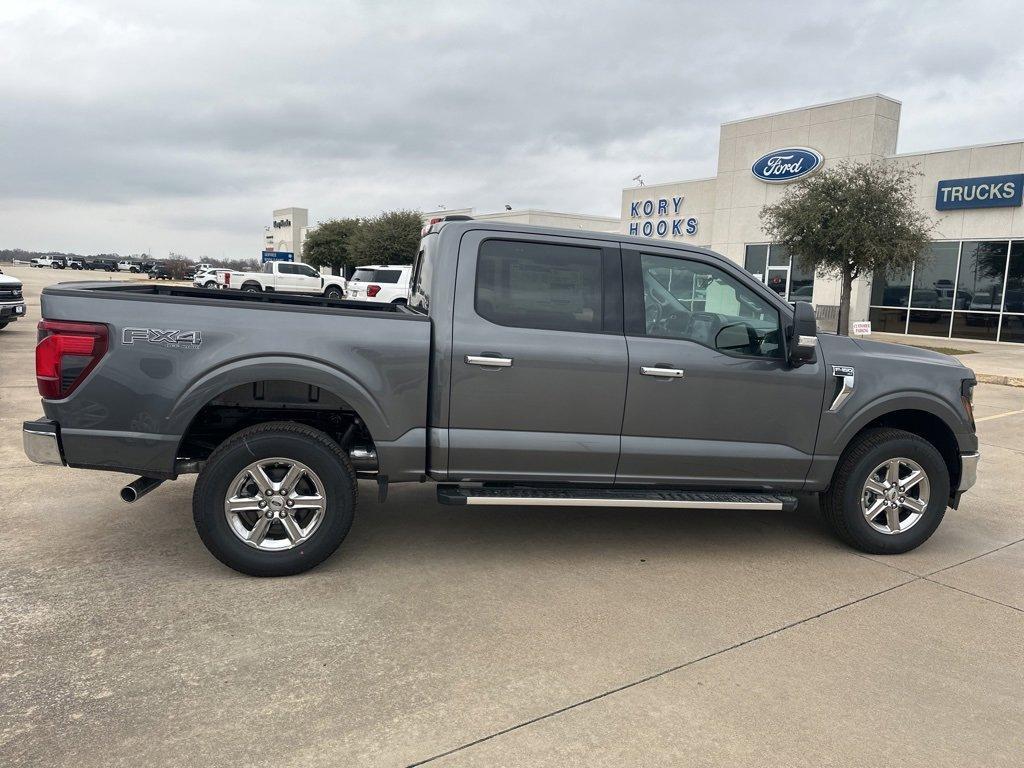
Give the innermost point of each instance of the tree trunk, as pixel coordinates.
(843, 325)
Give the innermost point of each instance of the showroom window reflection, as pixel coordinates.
(774, 266)
(971, 289)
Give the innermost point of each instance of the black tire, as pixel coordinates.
(210, 284)
(401, 302)
(334, 292)
(275, 439)
(4, 324)
(251, 288)
(841, 503)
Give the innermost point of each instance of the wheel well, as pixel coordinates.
(247, 283)
(257, 402)
(931, 428)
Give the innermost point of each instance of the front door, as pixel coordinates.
(711, 400)
(538, 378)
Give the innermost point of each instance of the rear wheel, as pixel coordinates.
(275, 499)
(889, 493)
(251, 288)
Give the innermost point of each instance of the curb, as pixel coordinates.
(1006, 381)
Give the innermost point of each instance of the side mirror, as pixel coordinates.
(804, 343)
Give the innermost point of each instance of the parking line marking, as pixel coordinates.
(999, 415)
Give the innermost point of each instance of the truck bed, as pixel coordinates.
(188, 294)
(175, 353)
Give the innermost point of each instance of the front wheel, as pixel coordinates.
(889, 492)
(333, 292)
(275, 499)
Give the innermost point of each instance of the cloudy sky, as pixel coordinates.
(177, 125)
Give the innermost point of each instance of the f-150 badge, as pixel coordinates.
(165, 338)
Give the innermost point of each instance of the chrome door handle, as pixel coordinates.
(668, 373)
(493, 362)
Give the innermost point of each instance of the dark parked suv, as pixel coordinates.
(104, 265)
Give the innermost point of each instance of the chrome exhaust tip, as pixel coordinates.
(136, 489)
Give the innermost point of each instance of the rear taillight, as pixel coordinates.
(372, 290)
(65, 354)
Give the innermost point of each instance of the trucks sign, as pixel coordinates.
(979, 192)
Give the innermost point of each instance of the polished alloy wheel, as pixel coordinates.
(275, 504)
(895, 495)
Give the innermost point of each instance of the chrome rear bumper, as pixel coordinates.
(968, 470)
(41, 440)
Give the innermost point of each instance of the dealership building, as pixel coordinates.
(971, 285)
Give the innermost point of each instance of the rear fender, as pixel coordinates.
(303, 370)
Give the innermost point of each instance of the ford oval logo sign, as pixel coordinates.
(784, 165)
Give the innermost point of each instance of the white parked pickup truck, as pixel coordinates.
(284, 277)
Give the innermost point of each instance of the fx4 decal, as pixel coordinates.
(171, 338)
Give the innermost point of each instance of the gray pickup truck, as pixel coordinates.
(531, 366)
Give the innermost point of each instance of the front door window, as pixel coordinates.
(686, 299)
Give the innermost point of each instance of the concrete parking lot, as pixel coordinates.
(460, 637)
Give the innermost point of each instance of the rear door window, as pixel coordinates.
(362, 275)
(540, 285)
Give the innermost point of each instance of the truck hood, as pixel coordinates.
(10, 282)
(906, 352)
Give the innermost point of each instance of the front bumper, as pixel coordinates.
(41, 440)
(968, 470)
(12, 311)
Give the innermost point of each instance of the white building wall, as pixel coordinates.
(289, 237)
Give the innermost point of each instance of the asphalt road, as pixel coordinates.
(502, 636)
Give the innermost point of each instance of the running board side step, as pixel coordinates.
(613, 497)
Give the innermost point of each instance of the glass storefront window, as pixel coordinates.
(755, 260)
(928, 323)
(891, 290)
(970, 290)
(982, 269)
(935, 278)
(1012, 329)
(801, 282)
(775, 267)
(1013, 301)
(778, 256)
(975, 325)
(885, 320)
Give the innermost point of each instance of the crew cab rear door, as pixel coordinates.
(712, 400)
(538, 378)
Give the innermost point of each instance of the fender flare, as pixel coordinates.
(307, 371)
(902, 401)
